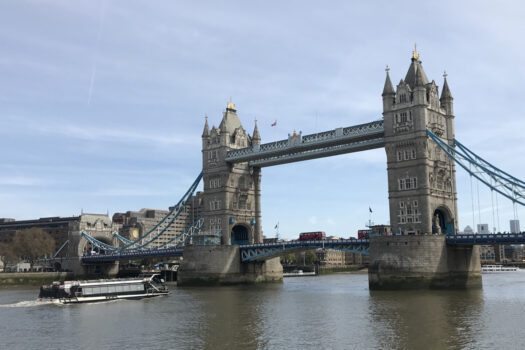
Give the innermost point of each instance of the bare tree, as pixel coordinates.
(32, 244)
(6, 253)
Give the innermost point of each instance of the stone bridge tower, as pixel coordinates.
(421, 177)
(421, 191)
(231, 198)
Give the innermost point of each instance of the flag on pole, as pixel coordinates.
(274, 123)
(277, 226)
(370, 209)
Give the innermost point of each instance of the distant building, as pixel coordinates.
(514, 226)
(514, 252)
(57, 227)
(488, 254)
(330, 257)
(468, 230)
(483, 229)
(62, 229)
(135, 224)
(355, 259)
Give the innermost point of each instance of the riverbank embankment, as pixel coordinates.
(18, 279)
(325, 270)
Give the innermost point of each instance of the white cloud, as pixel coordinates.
(20, 181)
(313, 220)
(95, 133)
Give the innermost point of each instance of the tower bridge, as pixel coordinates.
(417, 133)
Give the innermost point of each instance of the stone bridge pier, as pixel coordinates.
(100, 227)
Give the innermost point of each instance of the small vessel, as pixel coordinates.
(298, 273)
(70, 292)
(498, 268)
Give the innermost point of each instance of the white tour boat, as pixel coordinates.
(498, 268)
(69, 292)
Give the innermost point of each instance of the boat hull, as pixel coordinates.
(100, 299)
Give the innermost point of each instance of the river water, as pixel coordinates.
(322, 312)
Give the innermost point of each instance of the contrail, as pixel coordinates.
(102, 15)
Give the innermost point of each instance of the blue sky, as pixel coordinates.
(102, 102)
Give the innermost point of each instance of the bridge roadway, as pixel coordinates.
(264, 251)
(486, 239)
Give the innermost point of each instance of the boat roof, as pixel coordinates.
(112, 281)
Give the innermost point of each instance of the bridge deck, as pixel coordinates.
(486, 239)
(257, 252)
(263, 251)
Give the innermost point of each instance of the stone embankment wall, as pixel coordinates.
(424, 261)
(215, 265)
(8, 280)
(325, 270)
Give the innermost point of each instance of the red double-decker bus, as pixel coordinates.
(312, 236)
(363, 234)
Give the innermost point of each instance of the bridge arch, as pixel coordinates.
(442, 221)
(87, 248)
(240, 234)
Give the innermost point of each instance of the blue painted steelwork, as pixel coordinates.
(131, 255)
(165, 248)
(121, 238)
(183, 237)
(60, 249)
(98, 244)
(483, 239)
(323, 144)
(177, 209)
(134, 245)
(264, 251)
(496, 179)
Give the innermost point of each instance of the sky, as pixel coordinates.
(102, 102)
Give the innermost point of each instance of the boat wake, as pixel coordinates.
(31, 303)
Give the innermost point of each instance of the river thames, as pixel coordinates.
(322, 312)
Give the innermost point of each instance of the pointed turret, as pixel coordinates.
(413, 70)
(446, 99)
(389, 88)
(389, 93)
(206, 131)
(256, 138)
(445, 93)
(419, 78)
(230, 120)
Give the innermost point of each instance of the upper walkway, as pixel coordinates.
(297, 147)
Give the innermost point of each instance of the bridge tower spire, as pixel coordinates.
(231, 196)
(421, 178)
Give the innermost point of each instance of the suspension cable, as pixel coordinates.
(497, 212)
(493, 214)
(509, 184)
(472, 200)
(479, 206)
